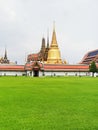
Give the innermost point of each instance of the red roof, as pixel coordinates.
(31, 65)
(46, 67)
(33, 57)
(12, 67)
(90, 56)
(66, 67)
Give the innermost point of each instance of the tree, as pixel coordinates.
(93, 68)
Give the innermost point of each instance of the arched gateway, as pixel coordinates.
(36, 69)
(36, 72)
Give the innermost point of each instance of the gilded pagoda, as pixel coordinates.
(47, 55)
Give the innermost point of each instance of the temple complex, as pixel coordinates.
(48, 62)
(48, 55)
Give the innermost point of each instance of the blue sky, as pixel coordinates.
(23, 23)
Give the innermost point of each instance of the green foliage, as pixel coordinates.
(93, 68)
(55, 103)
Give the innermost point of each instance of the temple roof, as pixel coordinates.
(57, 67)
(11, 67)
(45, 67)
(61, 67)
(90, 56)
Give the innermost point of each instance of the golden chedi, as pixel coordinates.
(54, 56)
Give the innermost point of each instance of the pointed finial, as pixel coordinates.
(5, 55)
(53, 25)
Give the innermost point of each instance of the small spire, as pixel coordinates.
(43, 44)
(48, 38)
(5, 55)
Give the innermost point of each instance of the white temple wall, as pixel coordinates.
(45, 73)
(11, 73)
(50, 73)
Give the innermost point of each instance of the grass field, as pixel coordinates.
(58, 103)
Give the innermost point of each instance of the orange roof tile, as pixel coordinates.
(12, 67)
(66, 67)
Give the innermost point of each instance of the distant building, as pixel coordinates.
(89, 57)
(4, 60)
(37, 69)
(42, 55)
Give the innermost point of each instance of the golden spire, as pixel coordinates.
(54, 53)
(54, 40)
(53, 25)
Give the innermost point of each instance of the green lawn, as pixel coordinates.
(55, 103)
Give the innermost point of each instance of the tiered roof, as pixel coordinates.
(90, 56)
